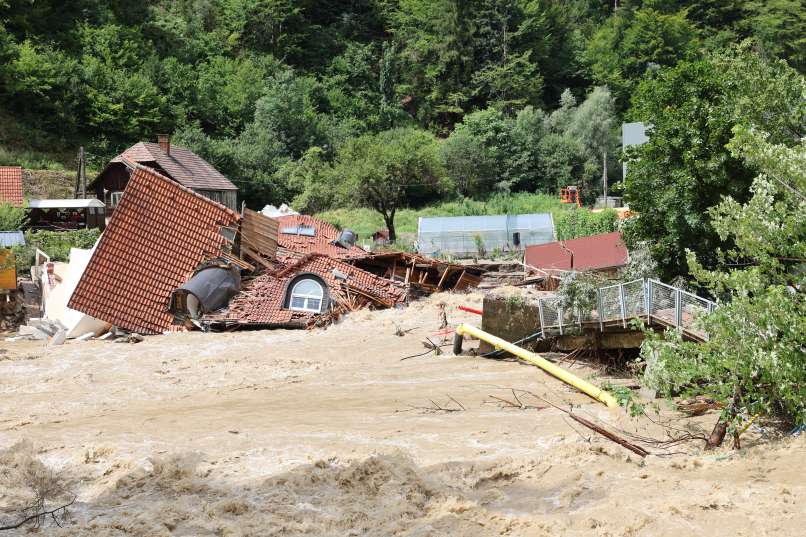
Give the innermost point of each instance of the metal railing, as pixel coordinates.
(639, 299)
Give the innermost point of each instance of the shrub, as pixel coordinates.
(583, 223)
(56, 244)
(11, 218)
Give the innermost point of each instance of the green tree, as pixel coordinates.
(753, 360)
(594, 126)
(42, 84)
(780, 25)
(685, 168)
(228, 89)
(389, 170)
(633, 43)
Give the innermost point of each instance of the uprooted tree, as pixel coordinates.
(755, 359)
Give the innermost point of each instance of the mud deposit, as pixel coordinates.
(329, 433)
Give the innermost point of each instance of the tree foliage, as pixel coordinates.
(389, 170)
(259, 86)
(754, 357)
(686, 167)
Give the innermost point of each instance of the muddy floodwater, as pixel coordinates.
(330, 433)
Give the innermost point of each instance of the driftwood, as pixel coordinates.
(638, 450)
(517, 403)
(436, 407)
(41, 515)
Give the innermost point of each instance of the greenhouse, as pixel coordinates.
(471, 236)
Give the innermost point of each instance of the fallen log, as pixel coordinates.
(638, 450)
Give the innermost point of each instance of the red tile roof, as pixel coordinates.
(159, 234)
(11, 185)
(602, 251)
(262, 300)
(182, 165)
(321, 243)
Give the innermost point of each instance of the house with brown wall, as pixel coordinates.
(172, 161)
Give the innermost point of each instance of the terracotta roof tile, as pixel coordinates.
(182, 165)
(321, 243)
(11, 185)
(262, 299)
(159, 234)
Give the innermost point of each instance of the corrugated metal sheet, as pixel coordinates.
(606, 250)
(11, 238)
(459, 235)
(259, 234)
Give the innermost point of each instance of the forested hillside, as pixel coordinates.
(379, 103)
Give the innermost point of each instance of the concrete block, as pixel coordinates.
(59, 338)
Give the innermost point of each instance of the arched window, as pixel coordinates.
(307, 295)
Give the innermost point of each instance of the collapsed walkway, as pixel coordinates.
(648, 300)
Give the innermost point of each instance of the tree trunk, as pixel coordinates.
(721, 427)
(389, 220)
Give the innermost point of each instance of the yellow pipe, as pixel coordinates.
(582, 385)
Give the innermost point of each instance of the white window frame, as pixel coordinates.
(307, 297)
(115, 197)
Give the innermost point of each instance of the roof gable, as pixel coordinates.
(11, 185)
(182, 165)
(159, 234)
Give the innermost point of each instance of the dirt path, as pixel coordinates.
(330, 433)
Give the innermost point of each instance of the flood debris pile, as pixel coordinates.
(172, 259)
(310, 291)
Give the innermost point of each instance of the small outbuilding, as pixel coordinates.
(471, 236)
(172, 161)
(67, 214)
(603, 252)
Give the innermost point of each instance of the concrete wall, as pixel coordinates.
(510, 318)
(514, 318)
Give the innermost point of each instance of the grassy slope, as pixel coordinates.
(49, 163)
(366, 221)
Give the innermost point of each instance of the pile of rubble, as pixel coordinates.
(12, 313)
(171, 259)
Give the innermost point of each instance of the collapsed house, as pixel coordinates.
(171, 256)
(311, 290)
(160, 233)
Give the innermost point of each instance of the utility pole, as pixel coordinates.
(604, 178)
(81, 175)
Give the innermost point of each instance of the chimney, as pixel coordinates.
(165, 143)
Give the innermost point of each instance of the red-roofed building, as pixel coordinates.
(301, 234)
(11, 185)
(606, 251)
(175, 162)
(160, 233)
(304, 290)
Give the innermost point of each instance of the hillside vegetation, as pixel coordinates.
(386, 104)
